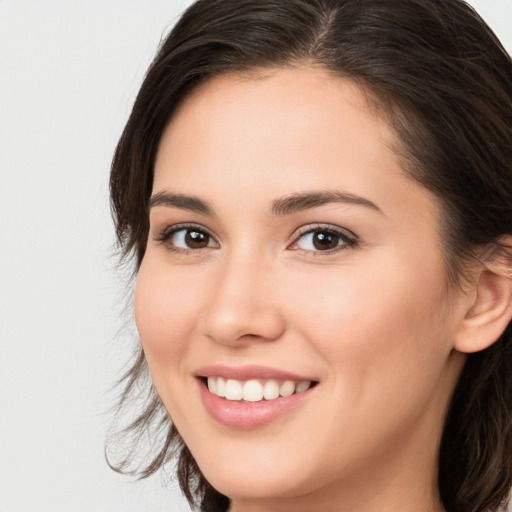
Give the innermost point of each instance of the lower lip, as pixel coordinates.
(249, 415)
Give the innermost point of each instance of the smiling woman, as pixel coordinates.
(318, 195)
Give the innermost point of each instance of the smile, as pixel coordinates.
(255, 390)
(250, 397)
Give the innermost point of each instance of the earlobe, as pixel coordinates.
(488, 314)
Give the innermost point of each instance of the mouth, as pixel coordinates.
(251, 396)
(255, 390)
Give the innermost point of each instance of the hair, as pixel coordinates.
(443, 81)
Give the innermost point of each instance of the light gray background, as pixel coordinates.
(69, 71)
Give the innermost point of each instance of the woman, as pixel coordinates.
(318, 196)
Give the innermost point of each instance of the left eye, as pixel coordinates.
(322, 240)
(189, 238)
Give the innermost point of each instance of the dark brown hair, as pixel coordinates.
(444, 82)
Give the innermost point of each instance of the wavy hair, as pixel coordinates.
(443, 81)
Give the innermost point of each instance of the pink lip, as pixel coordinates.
(243, 415)
(248, 372)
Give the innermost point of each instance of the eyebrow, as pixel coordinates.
(280, 207)
(304, 201)
(191, 203)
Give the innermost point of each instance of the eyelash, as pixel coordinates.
(164, 236)
(347, 240)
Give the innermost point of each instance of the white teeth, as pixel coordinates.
(252, 391)
(287, 388)
(302, 386)
(233, 390)
(255, 390)
(220, 387)
(212, 384)
(271, 390)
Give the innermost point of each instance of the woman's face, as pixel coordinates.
(288, 250)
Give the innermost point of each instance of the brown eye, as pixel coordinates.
(191, 238)
(318, 240)
(196, 239)
(323, 240)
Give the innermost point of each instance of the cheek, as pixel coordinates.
(386, 342)
(165, 314)
(383, 323)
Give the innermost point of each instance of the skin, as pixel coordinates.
(374, 323)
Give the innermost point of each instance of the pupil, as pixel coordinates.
(325, 240)
(196, 239)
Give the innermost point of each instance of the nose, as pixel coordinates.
(243, 305)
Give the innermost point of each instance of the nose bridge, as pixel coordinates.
(241, 305)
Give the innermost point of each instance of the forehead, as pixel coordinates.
(305, 88)
(250, 139)
(287, 116)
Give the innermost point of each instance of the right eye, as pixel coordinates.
(189, 238)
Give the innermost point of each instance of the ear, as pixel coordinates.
(489, 310)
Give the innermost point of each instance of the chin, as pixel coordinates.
(255, 483)
(259, 472)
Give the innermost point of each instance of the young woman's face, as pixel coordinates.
(289, 253)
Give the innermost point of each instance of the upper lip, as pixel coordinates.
(248, 372)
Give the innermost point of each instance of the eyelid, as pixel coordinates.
(164, 235)
(169, 230)
(350, 238)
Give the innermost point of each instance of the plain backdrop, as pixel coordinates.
(69, 71)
